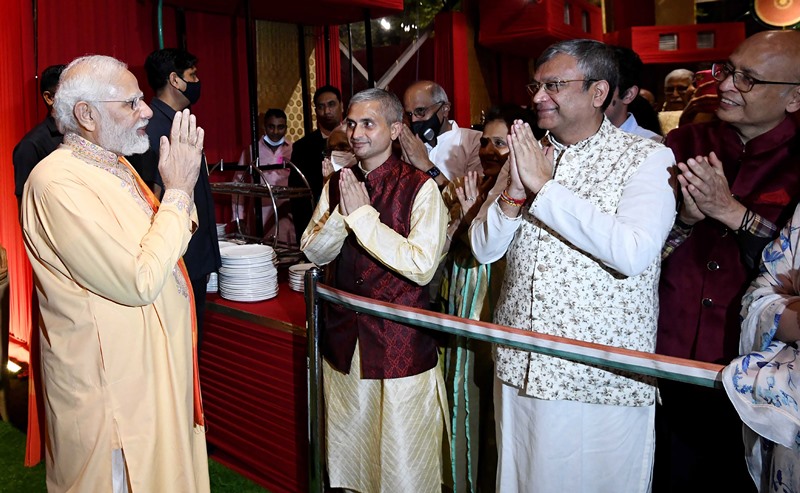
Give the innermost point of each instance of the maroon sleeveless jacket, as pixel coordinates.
(388, 349)
(703, 280)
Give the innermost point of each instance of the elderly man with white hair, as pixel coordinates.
(118, 343)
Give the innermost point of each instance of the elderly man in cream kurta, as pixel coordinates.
(581, 219)
(117, 331)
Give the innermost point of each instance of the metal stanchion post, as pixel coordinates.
(315, 455)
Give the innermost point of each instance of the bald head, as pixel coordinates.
(776, 52)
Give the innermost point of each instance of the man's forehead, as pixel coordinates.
(418, 96)
(679, 79)
(127, 85)
(760, 61)
(561, 66)
(326, 97)
(366, 110)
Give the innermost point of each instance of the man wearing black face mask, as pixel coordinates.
(172, 73)
(433, 143)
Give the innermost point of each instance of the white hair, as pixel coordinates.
(88, 78)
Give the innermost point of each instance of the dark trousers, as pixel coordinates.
(698, 442)
(199, 289)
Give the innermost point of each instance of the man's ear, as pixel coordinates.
(49, 98)
(85, 115)
(794, 100)
(630, 95)
(173, 80)
(445, 109)
(599, 93)
(396, 128)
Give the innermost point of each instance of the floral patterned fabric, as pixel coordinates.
(762, 384)
(552, 287)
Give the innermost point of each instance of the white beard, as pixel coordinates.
(120, 140)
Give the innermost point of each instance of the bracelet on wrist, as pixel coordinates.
(508, 199)
(747, 221)
(682, 225)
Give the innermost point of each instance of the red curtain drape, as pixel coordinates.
(18, 102)
(321, 57)
(452, 64)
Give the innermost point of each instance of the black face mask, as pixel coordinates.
(427, 130)
(192, 91)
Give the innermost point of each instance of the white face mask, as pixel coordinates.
(342, 159)
(273, 143)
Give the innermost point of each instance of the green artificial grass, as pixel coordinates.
(16, 478)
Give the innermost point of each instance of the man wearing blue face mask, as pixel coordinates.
(172, 73)
(430, 141)
(273, 148)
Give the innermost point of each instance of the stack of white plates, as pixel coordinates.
(220, 230)
(297, 274)
(248, 273)
(212, 285)
(225, 244)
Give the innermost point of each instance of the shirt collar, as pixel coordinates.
(602, 134)
(87, 150)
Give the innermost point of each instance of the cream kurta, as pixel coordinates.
(116, 324)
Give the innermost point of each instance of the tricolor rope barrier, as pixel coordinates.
(639, 362)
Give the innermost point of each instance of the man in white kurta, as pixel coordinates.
(581, 220)
(117, 345)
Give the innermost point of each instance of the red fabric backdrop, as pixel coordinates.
(18, 102)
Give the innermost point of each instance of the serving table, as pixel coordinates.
(253, 375)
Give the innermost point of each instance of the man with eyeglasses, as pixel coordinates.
(580, 217)
(308, 152)
(120, 388)
(433, 143)
(678, 90)
(172, 74)
(739, 182)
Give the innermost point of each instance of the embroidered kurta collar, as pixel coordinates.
(601, 135)
(88, 151)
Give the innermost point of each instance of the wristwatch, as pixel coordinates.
(434, 172)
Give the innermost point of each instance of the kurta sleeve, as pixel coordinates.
(97, 250)
(492, 231)
(417, 256)
(628, 240)
(325, 234)
(776, 287)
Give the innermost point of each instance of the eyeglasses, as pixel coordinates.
(134, 102)
(741, 81)
(552, 87)
(422, 111)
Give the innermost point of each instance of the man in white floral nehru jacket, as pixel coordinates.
(581, 217)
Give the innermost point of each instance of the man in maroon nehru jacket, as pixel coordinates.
(380, 226)
(740, 182)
